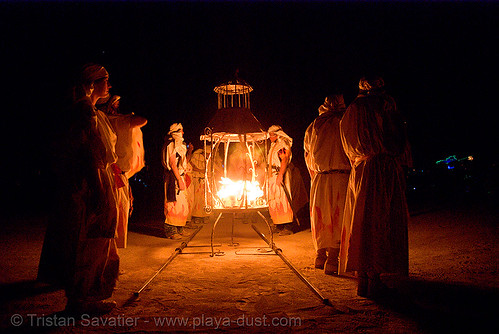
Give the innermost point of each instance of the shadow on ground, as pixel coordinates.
(440, 307)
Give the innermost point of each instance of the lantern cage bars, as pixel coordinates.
(236, 162)
(235, 146)
(234, 94)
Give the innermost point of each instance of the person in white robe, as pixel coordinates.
(374, 238)
(329, 169)
(279, 157)
(176, 205)
(130, 152)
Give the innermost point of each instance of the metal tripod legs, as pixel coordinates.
(232, 240)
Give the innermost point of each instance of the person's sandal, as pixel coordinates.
(330, 267)
(174, 236)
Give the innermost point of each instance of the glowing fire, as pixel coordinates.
(232, 192)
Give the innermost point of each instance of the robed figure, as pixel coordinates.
(374, 238)
(329, 170)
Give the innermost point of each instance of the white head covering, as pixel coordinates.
(176, 133)
(93, 72)
(114, 99)
(108, 104)
(277, 129)
(333, 103)
(89, 74)
(369, 84)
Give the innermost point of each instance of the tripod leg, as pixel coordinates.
(213, 233)
(270, 229)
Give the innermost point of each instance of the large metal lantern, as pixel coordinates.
(236, 155)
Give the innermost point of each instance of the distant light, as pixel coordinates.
(448, 160)
(453, 158)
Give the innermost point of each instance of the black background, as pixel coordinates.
(438, 60)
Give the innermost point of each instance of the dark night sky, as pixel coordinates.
(438, 60)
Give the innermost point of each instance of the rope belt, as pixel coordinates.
(336, 171)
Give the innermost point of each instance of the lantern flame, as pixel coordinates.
(232, 192)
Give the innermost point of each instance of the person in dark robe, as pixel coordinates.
(374, 240)
(79, 253)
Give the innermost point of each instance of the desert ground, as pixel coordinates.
(453, 284)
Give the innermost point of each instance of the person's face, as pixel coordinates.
(101, 88)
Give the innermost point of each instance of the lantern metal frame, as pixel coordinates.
(235, 126)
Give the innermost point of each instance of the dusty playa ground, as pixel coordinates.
(453, 285)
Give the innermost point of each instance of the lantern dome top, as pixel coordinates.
(233, 122)
(234, 87)
(233, 117)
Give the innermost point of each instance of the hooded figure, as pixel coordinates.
(176, 206)
(329, 169)
(197, 172)
(279, 157)
(374, 237)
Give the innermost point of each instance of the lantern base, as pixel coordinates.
(220, 213)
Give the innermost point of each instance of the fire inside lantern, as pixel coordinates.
(236, 152)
